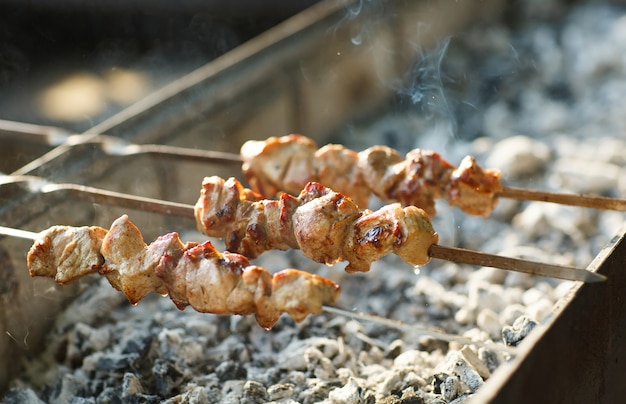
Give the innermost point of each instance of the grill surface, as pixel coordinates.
(278, 83)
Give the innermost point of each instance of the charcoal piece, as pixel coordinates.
(395, 348)
(280, 391)
(131, 385)
(254, 392)
(411, 396)
(195, 394)
(491, 358)
(67, 388)
(437, 380)
(515, 334)
(112, 362)
(141, 399)
(468, 376)
(318, 364)
(167, 377)
(21, 396)
(110, 395)
(230, 370)
(450, 388)
(316, 391)
(84, 340)
(137, 343)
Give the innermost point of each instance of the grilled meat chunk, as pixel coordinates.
(66, 253)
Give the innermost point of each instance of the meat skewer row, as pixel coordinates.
(329, 227)
(88, 237)
(288, 163)
(114, 146)
(192, 274)
(101, 196)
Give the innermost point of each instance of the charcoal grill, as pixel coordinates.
(304, 75)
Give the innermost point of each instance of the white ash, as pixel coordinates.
(550, 97)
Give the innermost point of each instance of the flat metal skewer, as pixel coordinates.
(118, 147)
(119, 199)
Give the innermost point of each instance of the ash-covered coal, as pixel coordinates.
(553, 121)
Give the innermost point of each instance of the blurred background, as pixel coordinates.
(73, 63)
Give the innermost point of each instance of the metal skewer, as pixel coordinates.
(420, 331)
(118, 147)
(97, 195)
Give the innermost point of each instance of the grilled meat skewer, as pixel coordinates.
(192, 274)
(288, 163)
(327, 226)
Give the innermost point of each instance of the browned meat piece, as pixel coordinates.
(416, 180)
(473, 189)
(327, 226)
(129, 263)
(299, 293)
(248, 225)
(338, 167)
(193, 275)
(324, 223)
(406, 232)
(285, 164)
(374, 165)
(66, 253)
(211, 282)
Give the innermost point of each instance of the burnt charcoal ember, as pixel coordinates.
(68, 388)
(316, 390)
(167, 377)
(515, 334)
(456, 365)
(254, 393)
(18, 395)
(491, 358)
(450, 388)
(281, 391)
(84, 340)
(195, 394)
(350, 393)
(132, 385)
(138, 341)
(112, 362)
(437, 380)
(115, 395)
(230, 370)
(318, 365)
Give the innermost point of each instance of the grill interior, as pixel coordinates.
(303, 76)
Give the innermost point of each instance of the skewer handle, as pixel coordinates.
(513, 264)
(586, 201)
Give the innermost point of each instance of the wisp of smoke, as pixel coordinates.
(425, 89)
